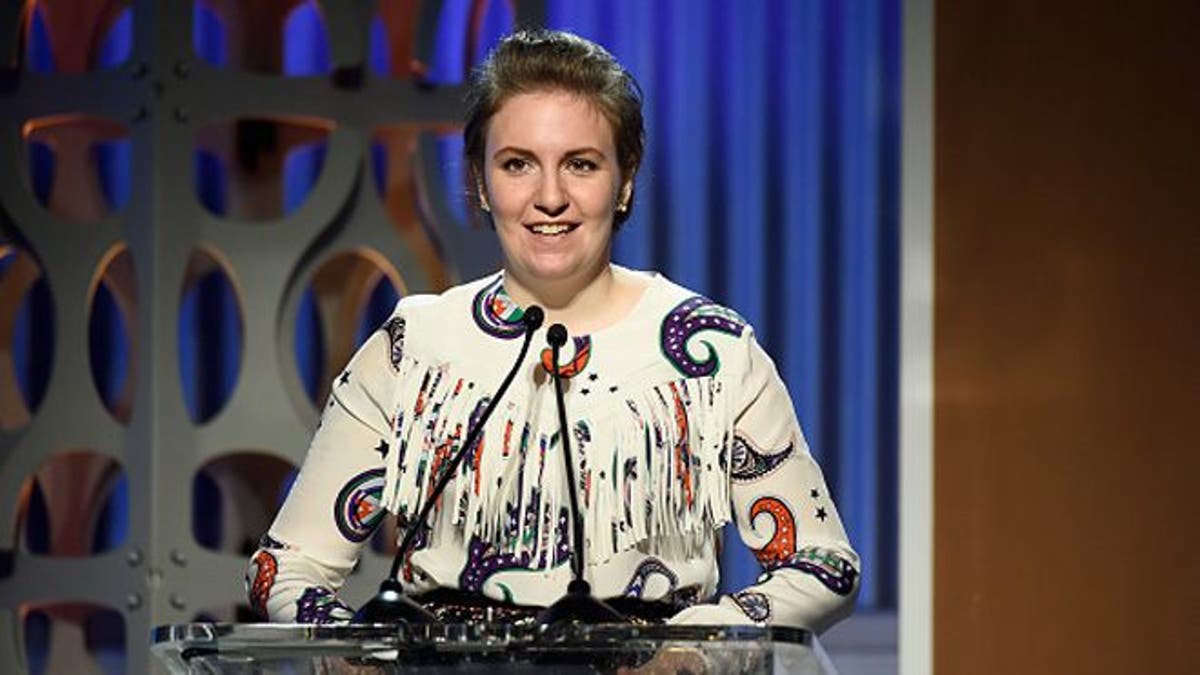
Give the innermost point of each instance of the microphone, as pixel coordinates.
(391, 605)
(578, 605)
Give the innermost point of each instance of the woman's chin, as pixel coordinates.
(554, 270)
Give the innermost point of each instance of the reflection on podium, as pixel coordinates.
(492, 648)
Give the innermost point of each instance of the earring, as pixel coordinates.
(623, 205)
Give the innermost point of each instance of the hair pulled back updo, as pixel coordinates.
(546, 60)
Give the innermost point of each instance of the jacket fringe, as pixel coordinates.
(652, 468)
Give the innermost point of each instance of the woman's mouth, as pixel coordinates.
(551, 229)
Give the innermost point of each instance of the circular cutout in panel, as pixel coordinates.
(398, 184)
(464, 33)
(259, 168)
(235, 498)
(79, 165)
(75, 505)
(490, 20)
(112, 316)
(73, 637)
(75, 37)
(210, 335)
(26, 336)
(286, 37)
(392, 42)
(348, 297)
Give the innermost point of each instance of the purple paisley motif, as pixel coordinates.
(395, 332)
(650, 566)
(690, 317)
(484, 561)
(496, 314)
(320, 605)
(835, 572)
(751, 464)
(755, 605)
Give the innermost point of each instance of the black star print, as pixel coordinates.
(613, 389)
(344, 378)
(585, 391)
(330, 401)
(382, 449)
(814, 494)
(593, 377)
(821, 515)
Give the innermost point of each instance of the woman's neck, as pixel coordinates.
(582, 305)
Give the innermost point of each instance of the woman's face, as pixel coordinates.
(551, 179)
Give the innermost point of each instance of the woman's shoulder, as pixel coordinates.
(457, 308)
(436, 304)
(441, 325)
(669, 297)
(695, 334)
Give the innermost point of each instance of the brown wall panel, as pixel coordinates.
(1067, 337)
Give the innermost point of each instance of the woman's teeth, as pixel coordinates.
(551, 229)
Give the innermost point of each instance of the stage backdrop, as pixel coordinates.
(209, 205)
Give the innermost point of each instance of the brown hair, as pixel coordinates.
(538, 60)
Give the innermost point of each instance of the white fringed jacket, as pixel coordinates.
(680, 424)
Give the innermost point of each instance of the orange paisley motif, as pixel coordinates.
(264, 578)
(583, 354)
(782, 546)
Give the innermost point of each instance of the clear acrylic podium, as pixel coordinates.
(485, 648)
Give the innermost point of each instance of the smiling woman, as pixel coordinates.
(552, 184)
(676, 435)
(554, 138)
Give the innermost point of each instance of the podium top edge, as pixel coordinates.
(217, 635)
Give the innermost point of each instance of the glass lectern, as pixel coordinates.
(486, 648)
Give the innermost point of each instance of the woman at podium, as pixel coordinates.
(678, 421)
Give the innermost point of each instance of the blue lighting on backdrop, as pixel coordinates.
(770, 184)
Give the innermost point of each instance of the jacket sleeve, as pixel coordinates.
(335, 504)
(784, 513)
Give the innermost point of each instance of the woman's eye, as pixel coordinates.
(580, 165)
(514, 165)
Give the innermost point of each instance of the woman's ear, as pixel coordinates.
(626, 196)
(481, 193)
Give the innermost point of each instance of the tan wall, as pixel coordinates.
(1067, 337)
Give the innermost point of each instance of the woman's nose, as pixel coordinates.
(551, 199)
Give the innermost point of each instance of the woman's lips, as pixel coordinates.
(551, 229)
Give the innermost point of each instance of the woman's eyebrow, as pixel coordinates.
(513, 149)
(529, 153)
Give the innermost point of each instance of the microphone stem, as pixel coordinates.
(577, 550)
(410, 535)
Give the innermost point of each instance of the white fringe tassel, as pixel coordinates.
(652, 468)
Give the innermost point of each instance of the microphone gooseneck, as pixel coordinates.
(391, 605)
(578, 604)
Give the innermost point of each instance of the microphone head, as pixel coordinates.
(533, 318)
(556, 335)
